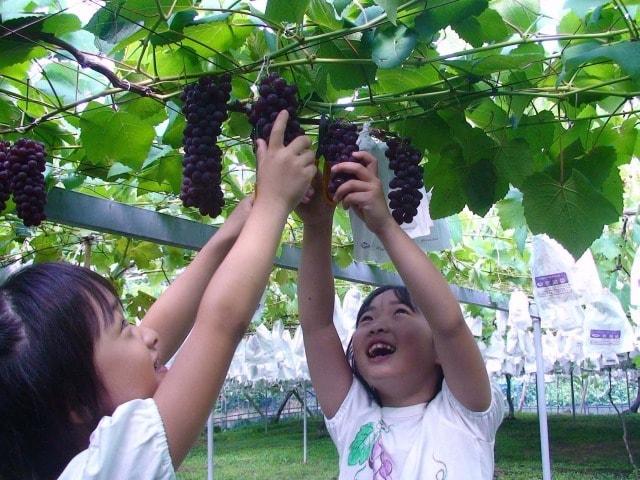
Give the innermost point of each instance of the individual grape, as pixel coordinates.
(205, 109)
(275, 95)
(405, 195)
(337, 145)
(26, 167)
(5, 183)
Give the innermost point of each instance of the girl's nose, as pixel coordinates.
(149, 336)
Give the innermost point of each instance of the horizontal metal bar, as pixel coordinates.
(93, 213)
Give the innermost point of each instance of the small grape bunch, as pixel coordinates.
(338, 145)
(205, 109)
(26, 164)
(5, 182)
(405, 195)
(275, 95)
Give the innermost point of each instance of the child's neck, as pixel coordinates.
(404, 394)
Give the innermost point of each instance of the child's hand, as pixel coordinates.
(364, 193)
(235, 221)
(284, 173)
(315, 209)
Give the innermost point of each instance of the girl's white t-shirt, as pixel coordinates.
(435, 441)
(131, 444)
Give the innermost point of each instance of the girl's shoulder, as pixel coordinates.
(131, 443)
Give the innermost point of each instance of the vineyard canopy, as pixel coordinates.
(492, 97)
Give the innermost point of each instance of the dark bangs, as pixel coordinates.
(401, 292)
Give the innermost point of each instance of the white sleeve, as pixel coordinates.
(483, 425)
(356, 403)
(130, 444)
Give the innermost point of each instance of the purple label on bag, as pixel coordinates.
(550, 280)
(553, 284)
(605, 337)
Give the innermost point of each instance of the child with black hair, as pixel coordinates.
(85, 395)
(411, 399)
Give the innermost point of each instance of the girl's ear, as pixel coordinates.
(76, 418)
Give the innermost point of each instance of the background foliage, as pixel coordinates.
(524, 130)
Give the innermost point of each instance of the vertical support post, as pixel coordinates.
(304, 422)
(542, 404)
(573, 395)
(626, 374)
(210, 466)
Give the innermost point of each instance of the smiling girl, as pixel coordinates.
(411, 399)
(85, 395)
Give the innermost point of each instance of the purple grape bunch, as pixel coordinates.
(26, 167)
(405, 194)
(338, 145)
(5, 180)
(205, 109)
(275, 95)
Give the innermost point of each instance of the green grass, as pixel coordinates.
(588, 448)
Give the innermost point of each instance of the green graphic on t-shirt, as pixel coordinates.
(360, 448)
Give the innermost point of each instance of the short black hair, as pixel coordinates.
(51, 314)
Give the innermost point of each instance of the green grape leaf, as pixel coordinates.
(392, 46)
(286, 10)
(61, 24)
(391, 8)
(487, 27)
(626, 54)
(574, 212)
(514, 161)
(323, 13)
(441, 13)
(402, 79)
(109, 136)
(523, 14)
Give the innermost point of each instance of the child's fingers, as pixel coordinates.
(300, 144)
(368, 160)
(261, 149)
(350, 187)
(355, 199)
(359, 171)
(276, 139)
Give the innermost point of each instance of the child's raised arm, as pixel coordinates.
(457, 351)
(328, 367)
(173, 314)
(188, 392)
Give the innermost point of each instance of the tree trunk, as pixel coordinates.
(512, 414)
(282, 405)
(523, 394)
(636, 403)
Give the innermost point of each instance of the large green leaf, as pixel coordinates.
(573, 212)
(61, 24)
(14, 52)
(109, 136)
(110, 27)
(523, 14)
(626, 54)
(324, 14)
(514, 161)
(441, 13)
(286, 10)
(403, 79)
(488, 27)
(485, 64)
(392, 46)
(62, 79)
(343, 75)
(391, 8)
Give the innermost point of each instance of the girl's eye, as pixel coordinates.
(402, 310)
(364, 319)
